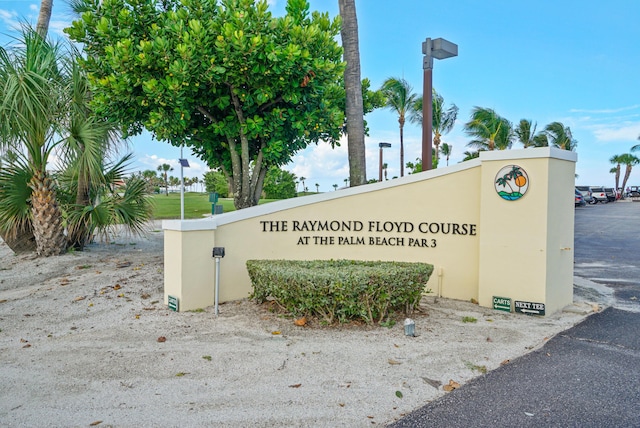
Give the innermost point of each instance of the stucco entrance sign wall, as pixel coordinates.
(475, 239)
(512, 182)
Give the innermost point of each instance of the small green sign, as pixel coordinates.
(173, 303)
(502, 303)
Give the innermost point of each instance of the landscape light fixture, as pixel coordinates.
(439, 49)
(218, 253)
(382, 146)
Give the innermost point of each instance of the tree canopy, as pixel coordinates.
(243, 89)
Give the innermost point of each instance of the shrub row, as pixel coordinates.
(340, 290)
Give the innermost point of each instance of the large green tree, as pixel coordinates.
(243, 89)
(401, 99)
(279, 184)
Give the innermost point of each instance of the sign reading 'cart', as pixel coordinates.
(173, 303)
(502, 303)
(529, 308)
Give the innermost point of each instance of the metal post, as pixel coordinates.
(218, 253)
(380, 169)
(217, 297)
(440, 49)
(427, 107)
(181, 186)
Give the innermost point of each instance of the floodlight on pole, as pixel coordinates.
(183, 164)
(382, 146)
(439, 49)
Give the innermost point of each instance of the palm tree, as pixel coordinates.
(33, 111)
(335, 187)
(470, 155)
(110, 204)
(401, 99)
(616, 160)
(526, 134)
(446, 151)
(44, 107)
(354, 106)
(317, 188)
(151, 177)
(164, 169)
(442, 122)
(560, 136)
(490, 130)
(629, 161)
(44, 17)
(384, 168)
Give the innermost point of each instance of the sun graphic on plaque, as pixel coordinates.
(512, 182)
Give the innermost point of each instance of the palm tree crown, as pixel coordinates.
(401, 99)
(489, 130)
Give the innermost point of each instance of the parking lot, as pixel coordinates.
(607, 248)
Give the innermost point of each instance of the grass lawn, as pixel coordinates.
(196, 205)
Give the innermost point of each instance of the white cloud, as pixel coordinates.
(10, 19)
(623, 132)
(606, 111)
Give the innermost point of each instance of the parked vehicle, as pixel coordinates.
(586, 194)
(634, 191)
(612, 195)
(579, 199)
(599, 195)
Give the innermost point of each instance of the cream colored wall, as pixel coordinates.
(518, 251)
(189, 267)
(448, 198)
(560, 235)
(520, 245)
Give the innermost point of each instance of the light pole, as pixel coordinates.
(382, 146)
(439, 49)
(183, 164)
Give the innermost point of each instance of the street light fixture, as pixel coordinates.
(382, 146)
(184, 163)
(439, 49)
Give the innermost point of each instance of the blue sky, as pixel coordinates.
(576, 62)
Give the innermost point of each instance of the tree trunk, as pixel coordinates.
(627, 173)
(353, 91)
(79, 234)
(42, 26)
(22, 241)
(47, 216)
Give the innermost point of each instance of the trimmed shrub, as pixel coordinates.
(340, 290)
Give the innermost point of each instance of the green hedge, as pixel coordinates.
(340, 290)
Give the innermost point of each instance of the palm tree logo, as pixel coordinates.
(512, 182)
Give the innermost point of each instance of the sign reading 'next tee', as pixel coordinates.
(529, 308)
(377, 233)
